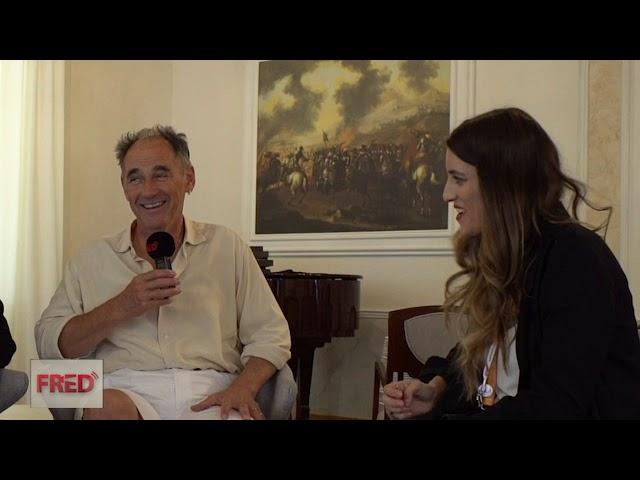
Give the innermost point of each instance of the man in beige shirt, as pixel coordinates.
(210, 324)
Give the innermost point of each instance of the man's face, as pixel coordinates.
(155, 182)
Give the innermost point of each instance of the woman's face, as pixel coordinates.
(463, 189)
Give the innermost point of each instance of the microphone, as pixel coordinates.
(160, 247)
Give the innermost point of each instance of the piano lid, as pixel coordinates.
(291, 274)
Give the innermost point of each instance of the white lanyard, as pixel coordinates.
(486, 390)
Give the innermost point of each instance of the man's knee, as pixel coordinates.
(116, 406)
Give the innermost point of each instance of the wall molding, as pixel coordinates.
(583, 120)
(374, 251)
(630, 177)
(373, 314)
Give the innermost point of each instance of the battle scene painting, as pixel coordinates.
(351, 146)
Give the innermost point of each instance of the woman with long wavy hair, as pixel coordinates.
(541, 306)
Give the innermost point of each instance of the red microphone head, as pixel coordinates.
(160, 244)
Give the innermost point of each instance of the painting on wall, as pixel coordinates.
(351, 146)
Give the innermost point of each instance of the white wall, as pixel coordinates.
(103, 99)
(209, 106)
(208, 101)
(554, 92)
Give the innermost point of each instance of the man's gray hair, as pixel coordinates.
(178, 142)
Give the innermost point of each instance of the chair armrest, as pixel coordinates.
(278, 396)
(379, 378)
(382, 372)
(13, 385)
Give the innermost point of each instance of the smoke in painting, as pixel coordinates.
(351, 146)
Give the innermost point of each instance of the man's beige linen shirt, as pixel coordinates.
(224, 314)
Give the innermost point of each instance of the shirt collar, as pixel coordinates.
(193, 236)
(123, 240)
(193, 232)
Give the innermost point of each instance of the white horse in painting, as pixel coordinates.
(297, 182)
(424, 177)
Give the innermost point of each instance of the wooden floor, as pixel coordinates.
(329, 417)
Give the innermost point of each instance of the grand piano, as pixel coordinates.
(318, 307)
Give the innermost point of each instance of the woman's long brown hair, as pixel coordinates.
(521, 185)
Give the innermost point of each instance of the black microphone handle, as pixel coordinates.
(163, 263)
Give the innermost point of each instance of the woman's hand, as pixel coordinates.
(410, 398)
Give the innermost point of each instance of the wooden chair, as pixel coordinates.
(415, 334)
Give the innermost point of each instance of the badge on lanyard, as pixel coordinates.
(486, 395)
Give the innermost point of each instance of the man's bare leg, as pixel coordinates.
(116, 406)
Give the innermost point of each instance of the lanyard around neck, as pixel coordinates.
(486, 395)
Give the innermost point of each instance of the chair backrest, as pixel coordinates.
(415, 334)
(427, 336)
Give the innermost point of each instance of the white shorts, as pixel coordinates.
(169, 394)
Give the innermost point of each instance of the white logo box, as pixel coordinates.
(66, 383)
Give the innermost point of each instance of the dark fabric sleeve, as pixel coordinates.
(435, 366)
(452, 402)
(575, 309)
(7, 345)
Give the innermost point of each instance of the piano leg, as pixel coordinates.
(301, 364)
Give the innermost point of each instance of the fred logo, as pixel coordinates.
(66, 383)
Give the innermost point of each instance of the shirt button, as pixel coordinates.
(166, 337)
